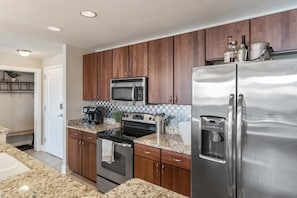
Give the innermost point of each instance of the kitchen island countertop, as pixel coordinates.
(139, 188)
(171, 142)
(41, 180)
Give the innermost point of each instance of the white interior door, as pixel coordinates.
(53, 111)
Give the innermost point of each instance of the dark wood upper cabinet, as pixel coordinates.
(120, 62)
(279, 30)
(90, 76)
(185, 57)
(138, 60)
(217, 38)
(104, 74)
(160, 71)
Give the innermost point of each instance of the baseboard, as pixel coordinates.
(19, 143)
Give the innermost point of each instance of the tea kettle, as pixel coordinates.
(161, 121)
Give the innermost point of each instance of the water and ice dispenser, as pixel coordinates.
(212, 143)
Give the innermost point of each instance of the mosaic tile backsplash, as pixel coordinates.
(177, 112)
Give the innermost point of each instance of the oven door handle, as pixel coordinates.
(121, 144)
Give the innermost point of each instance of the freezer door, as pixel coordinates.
(213, 107)
(267, 135)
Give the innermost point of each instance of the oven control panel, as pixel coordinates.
(139, 117)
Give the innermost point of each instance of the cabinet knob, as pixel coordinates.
(170, 98)
(175, 99)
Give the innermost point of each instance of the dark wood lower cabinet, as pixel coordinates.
(147, 169)
(82, 153)
(176, 179)
(174, 174)
(89, 160)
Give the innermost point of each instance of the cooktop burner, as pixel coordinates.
(124, 134)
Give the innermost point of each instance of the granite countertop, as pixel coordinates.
(139, 188)
(78, 125)
(171, 142)
(3, 129)
(41, 180)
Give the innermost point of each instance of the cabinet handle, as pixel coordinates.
(157, 167)
(129, 73)
(79, 142)
(162, 169)
(147, 152)
(175, 99)
(176, 160)
(170, 98)
(89, 137)
(75, 134)
(126, 74)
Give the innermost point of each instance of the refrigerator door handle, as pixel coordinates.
(229, 143)
(238, 145)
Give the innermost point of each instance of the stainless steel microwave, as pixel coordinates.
(129, 91)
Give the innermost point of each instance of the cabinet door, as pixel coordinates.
(160, 83)
(120, 62)
(185, 57)
(138, 60)
(90, 76)
(217, 38)
(176, 179)
(147, 169)
(279, 30)
(104, 74)
(89, 160)
(74, 148)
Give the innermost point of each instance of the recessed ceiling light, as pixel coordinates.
(88, 13)
(54, 29)
(24, 52)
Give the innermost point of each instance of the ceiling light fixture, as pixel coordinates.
(24, 52)
(88, 13)
(54, 29)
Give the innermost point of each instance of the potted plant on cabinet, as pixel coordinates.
(12, 75)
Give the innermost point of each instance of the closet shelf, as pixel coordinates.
(16, 87)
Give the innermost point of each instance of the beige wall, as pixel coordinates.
(53, 60)
(19, 61)
(74, 84)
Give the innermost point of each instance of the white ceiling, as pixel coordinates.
(119, 22)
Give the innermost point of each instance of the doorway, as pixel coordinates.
(53, 110)
(37, 100)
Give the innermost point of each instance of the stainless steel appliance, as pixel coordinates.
(129, 91)
(111, 174)
(93, 115)
(244, 130)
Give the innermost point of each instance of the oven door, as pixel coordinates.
(122, 168)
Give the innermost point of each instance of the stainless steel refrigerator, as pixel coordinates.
(244, 130)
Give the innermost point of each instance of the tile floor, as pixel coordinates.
(56, 163)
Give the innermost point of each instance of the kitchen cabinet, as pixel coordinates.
(82, 153)
(120, 62)
(90, 76)
(130, 61)
(160, 71)
(168, 169)
(170, 67)
(97, 72)
(279, 30)
(185, 57)
(138, 60)
(216, 38)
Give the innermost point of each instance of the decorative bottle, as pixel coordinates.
(227, 52)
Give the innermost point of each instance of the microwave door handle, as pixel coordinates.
(133, 95)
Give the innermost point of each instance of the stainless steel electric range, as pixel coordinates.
(112, 173)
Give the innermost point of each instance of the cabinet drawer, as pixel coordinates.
(147, 152)
(89, 137)
(75, 134)
(176, 159)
